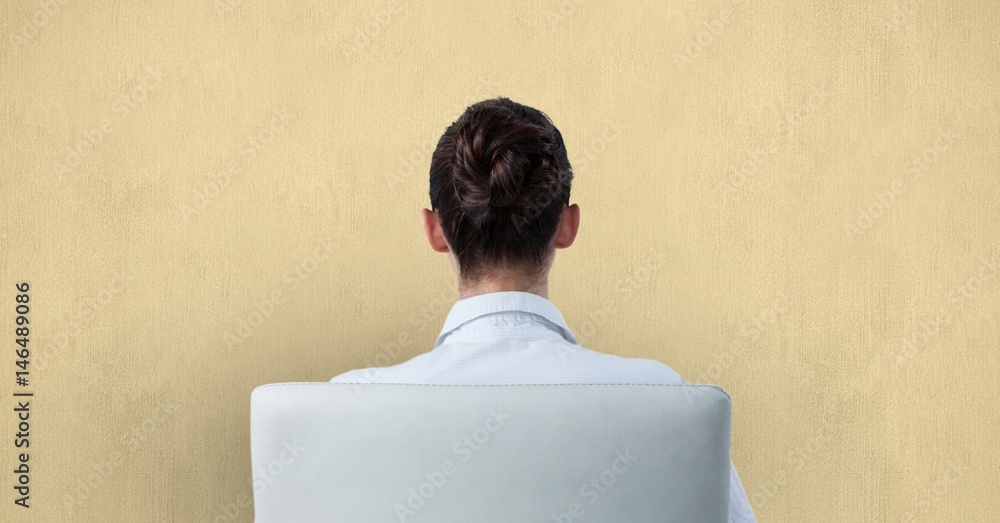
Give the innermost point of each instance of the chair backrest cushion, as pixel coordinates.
(561, 453)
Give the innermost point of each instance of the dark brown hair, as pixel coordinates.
(500, 178)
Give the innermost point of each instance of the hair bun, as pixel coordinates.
(496, 156)
(499, 180)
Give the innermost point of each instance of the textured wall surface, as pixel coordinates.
(796, 201)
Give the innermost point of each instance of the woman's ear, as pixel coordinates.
(569, 224)
(432, 228)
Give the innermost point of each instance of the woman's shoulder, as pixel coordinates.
(657, 372)
(639, 369)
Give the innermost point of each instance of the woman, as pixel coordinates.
(499, 188)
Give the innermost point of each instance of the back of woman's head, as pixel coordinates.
(499, 180)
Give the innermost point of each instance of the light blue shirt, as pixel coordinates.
(517, 337)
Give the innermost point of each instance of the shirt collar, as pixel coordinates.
(468, 309)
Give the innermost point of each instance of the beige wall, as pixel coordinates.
(752, 215)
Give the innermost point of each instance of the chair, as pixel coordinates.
(566, 453)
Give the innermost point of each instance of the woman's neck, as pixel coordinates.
(469, 289)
